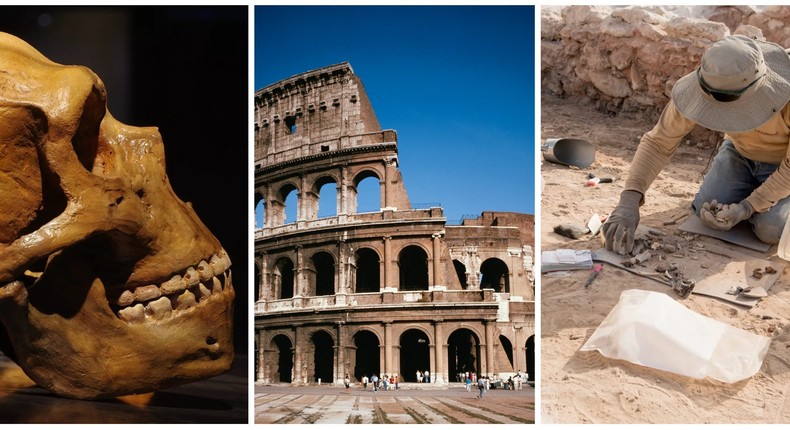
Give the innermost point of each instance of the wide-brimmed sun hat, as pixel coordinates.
(739, 85)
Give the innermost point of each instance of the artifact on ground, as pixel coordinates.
(109, 284)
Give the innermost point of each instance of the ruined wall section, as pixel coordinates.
(318, 111)
(627, 59)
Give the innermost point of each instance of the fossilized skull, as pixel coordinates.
(109, 284)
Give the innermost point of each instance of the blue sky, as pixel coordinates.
(455, 82)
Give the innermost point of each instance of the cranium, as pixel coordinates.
(109, 284)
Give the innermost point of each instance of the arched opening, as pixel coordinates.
(413, 264)
(414, 355)
(284, 278)
(530, 355)
(368, 271)
(260, 211)
(368, 354)
(324, 265)
(282, 346)
(366, 195)
(460, 271)
(323, 356)
(257, 291)
(289, 197)
(463, 352)
(508, 348)
(495, 275)
(326, 189)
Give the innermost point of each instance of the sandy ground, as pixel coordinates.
(331, 405)
(585, 387)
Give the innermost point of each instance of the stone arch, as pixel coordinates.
(507, 347)
(460, 271)
(414, 353)
(362, 193)
(413, 268)
(530, 358)
(463, 352)
(323, 347)
(322, 278)
(367, 357)
(259, 209)
(495, 275)
(282, 346)
(368, 270)
(257, 281)
(283, 278)
(286, 210)
(326, 198)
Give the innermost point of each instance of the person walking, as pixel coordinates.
(347, 383)
(375, 381)
(481, 385)
(427, 377)
(468, 384)
(419, 376)
(365, 382)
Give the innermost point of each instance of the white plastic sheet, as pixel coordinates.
(651, 329)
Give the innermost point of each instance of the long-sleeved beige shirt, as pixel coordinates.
(768, 143)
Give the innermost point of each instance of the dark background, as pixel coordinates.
(184, 70)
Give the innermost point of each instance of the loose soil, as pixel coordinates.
(585, 387)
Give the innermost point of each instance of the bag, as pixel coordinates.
(651, 329)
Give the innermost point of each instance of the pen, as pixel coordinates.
(595, 271)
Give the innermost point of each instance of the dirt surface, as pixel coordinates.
(585, 387)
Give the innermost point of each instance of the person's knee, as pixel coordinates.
(768, 228)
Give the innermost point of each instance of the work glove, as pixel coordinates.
(618, 230)
(726, 217)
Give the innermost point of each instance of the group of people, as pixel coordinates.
(423, 376)
(514, 382)
(384, 383)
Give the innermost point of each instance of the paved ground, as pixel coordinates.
(409, 405)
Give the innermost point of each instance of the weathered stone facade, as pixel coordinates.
(391, 291)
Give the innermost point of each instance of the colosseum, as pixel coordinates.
(390, 291)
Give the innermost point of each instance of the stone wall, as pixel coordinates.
(628, 59)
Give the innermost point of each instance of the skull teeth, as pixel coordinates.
(179, 293)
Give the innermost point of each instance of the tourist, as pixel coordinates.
(488, 382)
(419, 376)
(427, 376)
(365, 382)
(347, 383)
(397, 380)
(481, 385)
(375, 381)
(518, 380)
(468, 383)
(384, 382)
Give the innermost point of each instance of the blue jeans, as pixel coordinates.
(731, 178)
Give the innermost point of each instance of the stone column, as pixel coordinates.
(437, 257)
(265, 290)
(519, 352)
(300, 286)
(340, 367)
(298, 374)
(303, 206)
(489, 346)
(440, 371)
(387, 262)
(261, 357)
(342, 267)
(432, 360)
(268, 205)
(388, 342)
(342, 192)
(385, 187)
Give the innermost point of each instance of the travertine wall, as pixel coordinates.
(627, 59)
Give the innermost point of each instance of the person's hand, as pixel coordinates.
(724, 217)
(618, 230)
